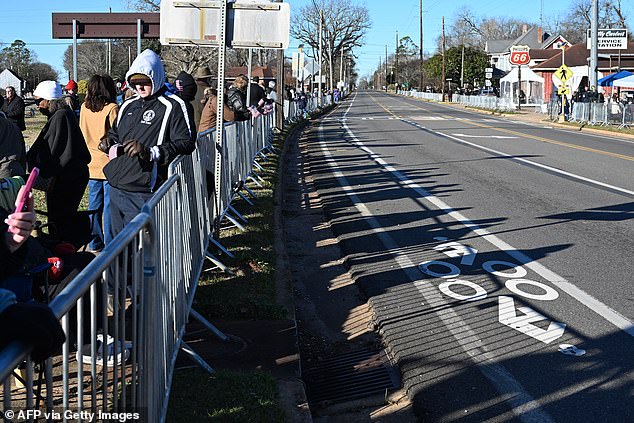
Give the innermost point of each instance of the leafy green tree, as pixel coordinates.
(475, 61)
(17, 57)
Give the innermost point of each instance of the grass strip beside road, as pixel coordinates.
(250, 293)
(227, 397)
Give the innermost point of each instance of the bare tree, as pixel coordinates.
(345, 24)
(574, 24)
(471, 30)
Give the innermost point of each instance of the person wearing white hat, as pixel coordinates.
(61, 154)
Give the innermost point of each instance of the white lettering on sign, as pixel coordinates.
(479, 292)
(518, 271)
(456, 249)
(507, 315)
(453, 270)
(548, 295)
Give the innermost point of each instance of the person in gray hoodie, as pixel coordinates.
(151, 130)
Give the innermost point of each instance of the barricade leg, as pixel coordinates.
(208, 325)
(220, 247)
(249, 202)
(251, 193)
(257, 165)
(238, 215)
(198, 359)
(235, 222)
(253, 177)
(219, 265)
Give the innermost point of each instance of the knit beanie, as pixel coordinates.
(48, 90)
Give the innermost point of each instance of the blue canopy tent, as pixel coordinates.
(607, 81)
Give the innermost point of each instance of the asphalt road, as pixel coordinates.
(497, 256)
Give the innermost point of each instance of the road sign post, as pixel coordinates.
(563, 74)
(520, 55)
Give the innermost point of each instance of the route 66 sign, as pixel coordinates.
(520, 55)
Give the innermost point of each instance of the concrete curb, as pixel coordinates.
(292, 391)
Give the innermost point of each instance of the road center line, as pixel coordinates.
(603, 310)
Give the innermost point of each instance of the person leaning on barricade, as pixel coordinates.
(151, 130)
(209, 115)
(237, 98)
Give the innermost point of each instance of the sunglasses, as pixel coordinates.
(143, 82)
(37, 101)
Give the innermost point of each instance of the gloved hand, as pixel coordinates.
(135, 148)
(104, 144)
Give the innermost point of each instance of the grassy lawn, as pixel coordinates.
(249, 293)
(227, 397)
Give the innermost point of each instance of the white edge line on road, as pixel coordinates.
(522, 403)
(603, 310)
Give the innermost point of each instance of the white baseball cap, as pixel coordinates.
(48, 90)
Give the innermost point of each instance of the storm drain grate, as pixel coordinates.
(349, 376)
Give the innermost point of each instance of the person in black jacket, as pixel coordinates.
(12, 150)
(186, 89)
(61, 154)
(13, 108)
(257, 92)
(236, 97)
(152, 128)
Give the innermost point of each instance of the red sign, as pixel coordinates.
(520, 58)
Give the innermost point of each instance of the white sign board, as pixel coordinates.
(249, 24)
(609, 39)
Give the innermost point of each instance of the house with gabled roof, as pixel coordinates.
(8, 78)
(577, 58)
(543, 46)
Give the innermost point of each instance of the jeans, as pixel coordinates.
(99, 201)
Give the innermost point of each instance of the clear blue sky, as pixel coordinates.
(30, 21)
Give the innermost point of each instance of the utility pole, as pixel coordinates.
(442, 83)
(396, 64)
(341, 66)
(321, 19)
(462, 68)
(421, 46)
(110, 53)
(594, 34)
(386, 68)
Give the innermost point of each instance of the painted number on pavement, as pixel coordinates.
(521, 319)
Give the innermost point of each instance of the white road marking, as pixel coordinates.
(525, 407)
(529, 162)
(499, 137)
(603, 310)
(524, 322)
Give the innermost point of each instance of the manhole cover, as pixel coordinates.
(349, 376)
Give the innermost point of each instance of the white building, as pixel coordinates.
(9, 78)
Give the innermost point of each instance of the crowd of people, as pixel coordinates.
(117, 144)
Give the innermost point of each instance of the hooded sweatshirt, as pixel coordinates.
(159, 122)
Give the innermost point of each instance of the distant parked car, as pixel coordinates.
(488, 91)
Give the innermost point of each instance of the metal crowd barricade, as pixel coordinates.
(92, 382)
(142, 278)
